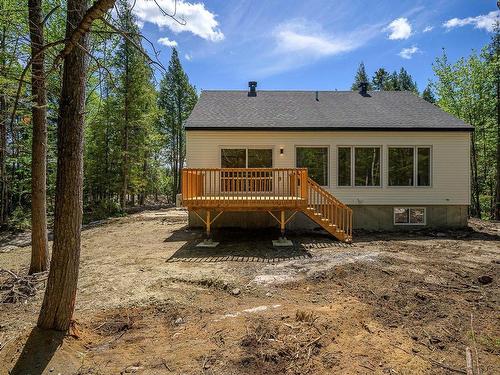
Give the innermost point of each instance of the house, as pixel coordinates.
(377, 160)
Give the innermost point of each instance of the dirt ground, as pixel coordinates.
(150, 302)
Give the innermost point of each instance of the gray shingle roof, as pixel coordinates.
(335, 110)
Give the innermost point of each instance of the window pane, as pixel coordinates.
(417, 215)
(424, 166)
(401, 166)
(367, 166)
(233, 158)
(401, 216)
(260, 158)
(315, 159)
(344, 168)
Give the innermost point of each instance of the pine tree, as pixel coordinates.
(380, 79)
(176, 99)
(428, 95)
(137, 102)
(406, 82)
(392, 83)
(361, 77)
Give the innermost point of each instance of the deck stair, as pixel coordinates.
(328, 212)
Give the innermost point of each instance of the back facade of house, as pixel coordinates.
(397, 161)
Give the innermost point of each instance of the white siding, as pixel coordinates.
(450, 160)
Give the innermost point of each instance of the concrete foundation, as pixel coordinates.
(364, 217)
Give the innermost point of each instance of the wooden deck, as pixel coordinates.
(264, 189)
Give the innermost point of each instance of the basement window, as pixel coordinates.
(409, 216)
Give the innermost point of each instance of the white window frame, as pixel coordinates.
(415, 167)
(328, 166)
(353, 171)
(409, 215)
(246, 152)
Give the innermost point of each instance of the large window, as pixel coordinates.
(358, 166)
(315, 159)
(233, 158)
(409, 166)
(239, 181)
(246, 158)
(344, 166)
(260, 158)
(401, 171)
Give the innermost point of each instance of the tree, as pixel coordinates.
(428, 95)
(466, 89)
(494, 64)
(59, 299)
(136, 98)
(406, 82)
(39, 243)
(176, 99)
(380, 79)
(361, 77)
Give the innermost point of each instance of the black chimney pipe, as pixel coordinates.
(363, 88)
(253, 88)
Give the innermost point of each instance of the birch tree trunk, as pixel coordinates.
(39, 243)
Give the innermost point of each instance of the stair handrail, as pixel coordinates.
(326, 193)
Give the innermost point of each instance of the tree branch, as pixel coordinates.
(97, 10)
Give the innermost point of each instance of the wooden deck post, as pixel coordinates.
(207, 222)
(282, 223)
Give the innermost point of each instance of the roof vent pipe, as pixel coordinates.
(253, 88)
(363, 88)
(317, 96)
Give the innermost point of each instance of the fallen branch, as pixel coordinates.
(468, 359)
(18, 288)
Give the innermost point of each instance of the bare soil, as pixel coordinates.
(150, 302)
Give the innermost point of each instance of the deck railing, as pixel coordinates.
(267, 189)
(244, 187)
(331, 209)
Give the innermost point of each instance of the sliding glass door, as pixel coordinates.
(247, 181)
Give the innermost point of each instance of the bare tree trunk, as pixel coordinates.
(4, 204)
(497, 203)
(39, 243)
(125, 135)
(59, 300)
(475, 180)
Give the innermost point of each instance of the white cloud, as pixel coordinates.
(400, 28)
(485, 21)
(298, 36)
(188, 57)
(427, 29)
(299, 42)
(167, 42)
(407, 53)
(190, 17)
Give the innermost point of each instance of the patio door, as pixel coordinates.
(251, 181)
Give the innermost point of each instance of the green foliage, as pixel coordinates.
(380, 79)
(384, 81)
(361, 77)
(124, 145)
(428, 95)
(467, 90)
(176, 100)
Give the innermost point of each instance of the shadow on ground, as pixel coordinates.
(250, 245)
(37, 352)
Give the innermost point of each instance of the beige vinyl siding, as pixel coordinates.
(449, 155)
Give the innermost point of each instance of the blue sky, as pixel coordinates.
(313, 44)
